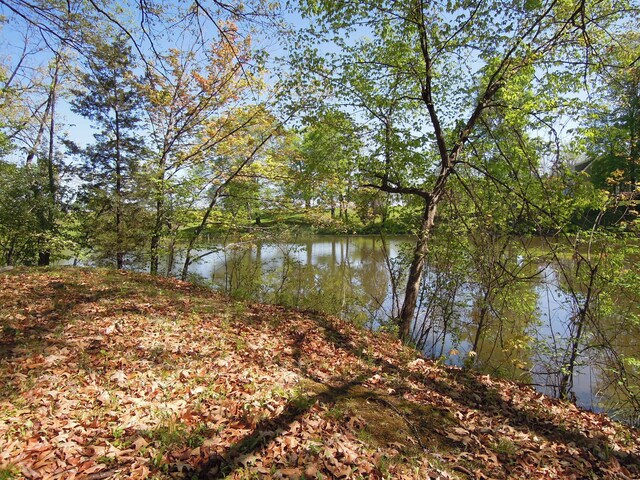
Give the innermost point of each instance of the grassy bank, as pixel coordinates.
(113, 375)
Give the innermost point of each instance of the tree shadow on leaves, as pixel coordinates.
(266, 431)
(462, 387)
(328, 393)
(468, 390)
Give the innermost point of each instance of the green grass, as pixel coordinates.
(176, 434)
(9, 473)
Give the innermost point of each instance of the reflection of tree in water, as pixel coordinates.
(373, 277)
(491, 303)
(503, 335)
(437, 324)
(504, 306)
(344, 277)
(241, 273)
(600, 290)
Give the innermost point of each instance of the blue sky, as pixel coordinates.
(15, 34)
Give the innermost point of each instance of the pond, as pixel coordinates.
(507, 308)
(519, 328)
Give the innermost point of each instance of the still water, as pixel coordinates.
(520, 333)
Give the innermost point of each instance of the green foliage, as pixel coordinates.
(452, 89)
(612, 137)
(24, 231)
(17, 224)
(172, 433)
(110, 199)
(11, 110)
(9, 473)
(323, 171)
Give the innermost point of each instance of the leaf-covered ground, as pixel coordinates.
(107, 375)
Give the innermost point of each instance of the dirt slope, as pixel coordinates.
(107, 375)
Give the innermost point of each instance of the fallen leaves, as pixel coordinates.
(121, 375)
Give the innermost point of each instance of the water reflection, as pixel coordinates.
(344, 276)
(510, 317)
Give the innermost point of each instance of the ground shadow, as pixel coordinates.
(221, 465)
(465, 389)
(472, 393)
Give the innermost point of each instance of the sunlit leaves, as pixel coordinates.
(135, 376)
(326, 166)
(611, 137)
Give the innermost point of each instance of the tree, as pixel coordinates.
(452, 59)
(241, 139)
(72, 24)
(613, 138)
(31, 86)
(111, 100)
(50, 190)
(180, 102)
(326, 166)
(18, 224)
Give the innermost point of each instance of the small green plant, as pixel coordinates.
(119, 440)
(167, 435)
(9, 473)
(157, 461)
(247, 474)
(197, 436)
(383, 465)
(302, 402)
(505, 447)
(315, 447)
(364, 435)
(9, 331)
(280, 391)
(239, 308)
(336, 412)
(240, 344)
(204, 397)
(171, 433)
(117, 432)
(106, 460)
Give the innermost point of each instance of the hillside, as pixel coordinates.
(107, 375)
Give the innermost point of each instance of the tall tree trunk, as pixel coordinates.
(155, 239)
(414, 279)
(197, 232)
(31, 154)
(10, 250)
(173, 233)
(156, 234)
(634, 154)
(482, 316)
(580, 320)
(118, 195)
(565, 389)
(171, 256)
(44, 256)
(385, 208)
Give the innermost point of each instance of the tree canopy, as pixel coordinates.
(131, 133)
